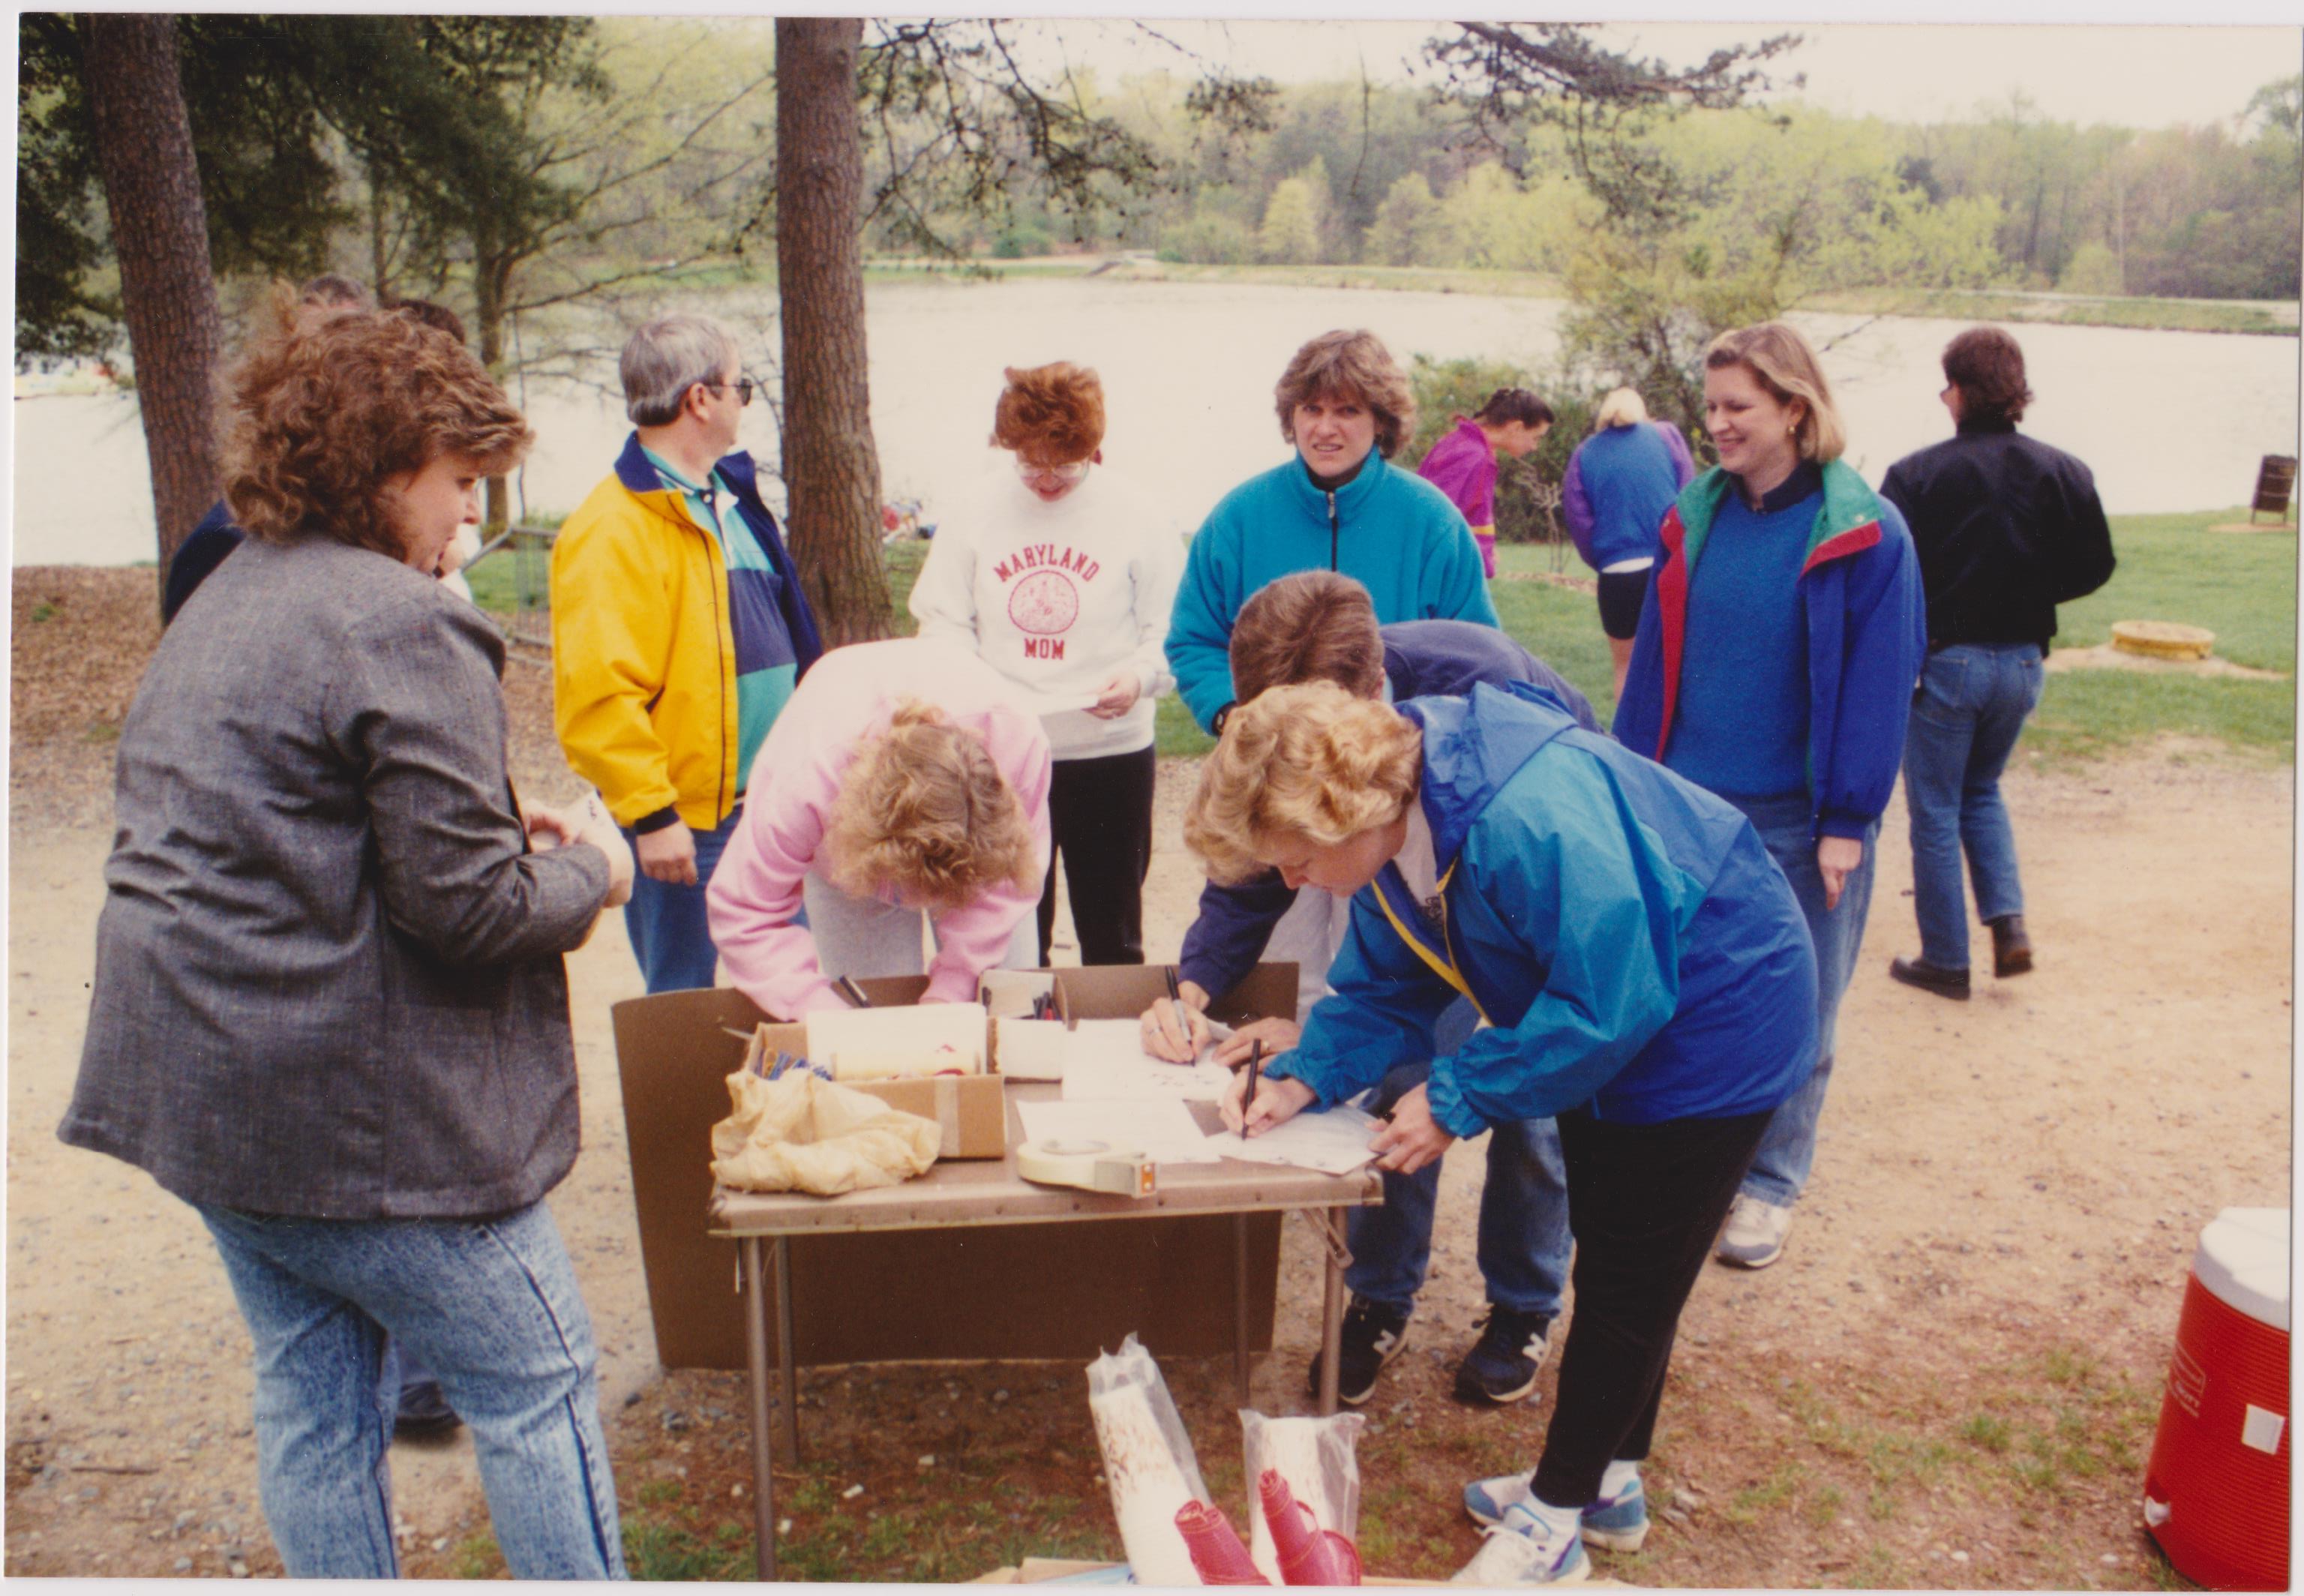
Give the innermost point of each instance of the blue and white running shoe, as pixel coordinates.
(1613, 1524)
(1525, 1550)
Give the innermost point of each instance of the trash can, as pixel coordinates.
(2215, 1494)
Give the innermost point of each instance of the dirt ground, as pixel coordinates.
(1951, 1379)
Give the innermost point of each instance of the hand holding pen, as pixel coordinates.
(1252, 1107)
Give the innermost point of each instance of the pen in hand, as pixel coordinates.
(1247, 1098)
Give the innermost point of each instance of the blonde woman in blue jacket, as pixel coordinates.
(1774, 666)
(1646, 979)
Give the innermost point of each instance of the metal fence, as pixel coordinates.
(511, 578)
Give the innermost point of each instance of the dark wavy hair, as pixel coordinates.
(323, 416)
(1988, 367)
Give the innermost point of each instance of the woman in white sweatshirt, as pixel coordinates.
(1054, 572)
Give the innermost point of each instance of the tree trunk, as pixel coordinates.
(160, 237)
(831, 467)
(490, 273)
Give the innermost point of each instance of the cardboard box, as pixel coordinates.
(971, 1110)
(1016, 1291)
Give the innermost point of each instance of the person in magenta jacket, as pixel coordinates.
(1463, 463)
(903, 777)
(1618, 483)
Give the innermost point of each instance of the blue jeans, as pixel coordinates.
(492, 1305)
(1523, 1232)
(1970, 709)
(666, 923)
(1788, 1149)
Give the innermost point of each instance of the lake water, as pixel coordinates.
(2169, 421)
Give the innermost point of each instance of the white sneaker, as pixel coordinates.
(1525, 1550)
(1755, 1234)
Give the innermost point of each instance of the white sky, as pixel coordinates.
(2127, 72)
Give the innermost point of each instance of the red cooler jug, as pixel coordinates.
(2215, 1496)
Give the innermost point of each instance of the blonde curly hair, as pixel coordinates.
(1309, 762)
(924, 811)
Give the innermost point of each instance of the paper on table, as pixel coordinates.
(1104, 1060)
(1334, 1142)
(1164, 1132)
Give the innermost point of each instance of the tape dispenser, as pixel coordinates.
(1091, 1166)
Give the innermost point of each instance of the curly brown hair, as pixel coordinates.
(1050, 415)
(924, 810)
(324, 416)
(1354, 367)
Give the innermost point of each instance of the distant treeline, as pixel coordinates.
(1347, 173)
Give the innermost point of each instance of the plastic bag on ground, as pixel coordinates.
(1147, 1462)
(801, 1132)
(1317, 1460)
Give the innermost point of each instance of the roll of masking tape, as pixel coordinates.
(1090, 1166)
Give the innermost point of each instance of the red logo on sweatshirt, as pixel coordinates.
(1044, 603)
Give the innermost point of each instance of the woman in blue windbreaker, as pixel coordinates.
(1619, 482)
(1646, 977)
(1774, 666)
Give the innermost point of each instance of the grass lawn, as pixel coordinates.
(2171, 568)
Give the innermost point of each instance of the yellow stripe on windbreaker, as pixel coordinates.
(1443, 968)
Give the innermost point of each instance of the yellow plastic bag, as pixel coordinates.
(801, 1132)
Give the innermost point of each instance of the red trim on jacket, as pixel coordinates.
(1672, 613)
(1854, 540)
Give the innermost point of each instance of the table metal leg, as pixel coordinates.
(1331, 1305)
(1239, 1303)
(790, 1387)
(756, 1348)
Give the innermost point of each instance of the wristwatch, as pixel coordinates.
(1216, 721)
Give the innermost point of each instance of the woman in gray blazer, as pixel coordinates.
(329, 1009)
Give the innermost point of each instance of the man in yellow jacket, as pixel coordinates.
(679, 631)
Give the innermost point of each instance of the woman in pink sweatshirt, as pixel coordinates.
(903, 778)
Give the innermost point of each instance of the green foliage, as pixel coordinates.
(1291, 233)
(2093, 269)
(1405, 224)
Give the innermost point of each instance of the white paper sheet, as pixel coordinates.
(1031, 1050)
(922, 1039)
(1164, 1132)
(1335, 1141)
(1104, 1060)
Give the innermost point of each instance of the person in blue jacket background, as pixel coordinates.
(1620, 481)
(1774, 666)
(1317, 627)
(1646, 976)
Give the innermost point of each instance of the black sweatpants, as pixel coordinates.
(1644, 1203)
(1100, 820)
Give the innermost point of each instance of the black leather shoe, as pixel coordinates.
(424, 1410)
(1921, 973)
(2011, 949)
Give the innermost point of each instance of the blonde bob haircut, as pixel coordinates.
(923, 812)
(1623, 407)
(1308, 761)
(1357, 369)
(1781, 362)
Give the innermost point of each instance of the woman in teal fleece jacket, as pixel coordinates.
(1339, 505)
(1646, 977)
